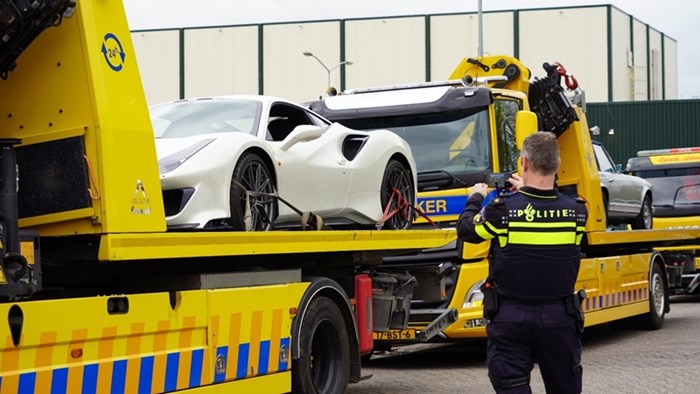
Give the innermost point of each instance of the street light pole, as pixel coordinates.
(480, 46)
(328, 70)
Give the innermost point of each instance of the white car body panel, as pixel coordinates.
(212, 185)
(311, 175)
(350, 187)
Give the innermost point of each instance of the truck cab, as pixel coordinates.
(675, 177)
(469, 129)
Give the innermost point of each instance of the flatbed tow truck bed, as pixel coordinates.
(211, 244)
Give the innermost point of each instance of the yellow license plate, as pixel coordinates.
(395, 334)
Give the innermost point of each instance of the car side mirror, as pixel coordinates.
(301, 133)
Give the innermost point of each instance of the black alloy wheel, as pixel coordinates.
(398, 177)
(252, 173)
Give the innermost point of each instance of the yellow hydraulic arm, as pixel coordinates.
(86, 160)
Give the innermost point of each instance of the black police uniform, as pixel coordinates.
(535, 257)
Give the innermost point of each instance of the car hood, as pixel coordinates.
(168, 146)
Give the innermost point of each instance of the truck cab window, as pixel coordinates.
(508, 152)
(453, 141)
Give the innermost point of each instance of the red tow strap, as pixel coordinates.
(402, 206)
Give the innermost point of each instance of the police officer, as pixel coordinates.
(535, 256)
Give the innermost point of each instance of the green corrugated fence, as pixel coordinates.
(643, 125)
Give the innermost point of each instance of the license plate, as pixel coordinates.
(395, 334)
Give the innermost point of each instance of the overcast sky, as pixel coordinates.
(677, 19)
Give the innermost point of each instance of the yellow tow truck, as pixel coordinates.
(675, 177)
(96, 295)
(469, 129)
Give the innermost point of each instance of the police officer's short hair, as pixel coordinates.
(542, 152)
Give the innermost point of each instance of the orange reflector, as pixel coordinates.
(76, 353)
(293, 310)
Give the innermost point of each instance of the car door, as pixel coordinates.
(311, 174)
(622, 193)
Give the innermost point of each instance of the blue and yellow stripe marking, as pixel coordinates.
(145, 375)
(615, 299)
(27, 382)
(440, 206)
(157, 370)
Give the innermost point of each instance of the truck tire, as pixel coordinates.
(657, 301)
(324, 357)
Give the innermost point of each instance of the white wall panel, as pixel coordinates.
(671, 68)
(639, 30)
(454, 37)
(655, 67)
(158, 57)
(556, 36)
(291, 75)
(385, 51)
(388, 51)
(622, 76)
(221, 61)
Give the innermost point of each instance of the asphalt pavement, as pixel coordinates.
(614, 361)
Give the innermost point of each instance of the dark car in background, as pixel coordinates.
(675, 177)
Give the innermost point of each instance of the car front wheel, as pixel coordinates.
(252, 213)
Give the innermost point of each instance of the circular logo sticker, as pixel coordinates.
(113, 52)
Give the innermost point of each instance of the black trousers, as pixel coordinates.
(521, 334)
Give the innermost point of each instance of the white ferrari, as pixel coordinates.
(259, 162)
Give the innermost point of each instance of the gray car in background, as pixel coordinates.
(627, 198)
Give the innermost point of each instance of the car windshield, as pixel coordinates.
(676, 190)
(454, 141)
(604, 162)
(188, 118)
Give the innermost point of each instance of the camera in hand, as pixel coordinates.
(499, 180)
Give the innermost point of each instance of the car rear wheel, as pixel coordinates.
(644, 221)
(397, 178)
(252, 173)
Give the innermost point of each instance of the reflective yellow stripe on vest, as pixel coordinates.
(487, 230)
(533, 238)
(567, 235)
(542, 224)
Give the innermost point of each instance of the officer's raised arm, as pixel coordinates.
(477, 224)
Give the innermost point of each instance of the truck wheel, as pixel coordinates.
(657, 301)
(644, 220)
(396, 176)
(324, 350)
(253, 174)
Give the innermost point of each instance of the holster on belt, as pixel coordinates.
(574, 307)
(490, 301)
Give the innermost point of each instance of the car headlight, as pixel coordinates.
(175, 160)
(474, 295)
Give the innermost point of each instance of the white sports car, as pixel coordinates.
(207, 148)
